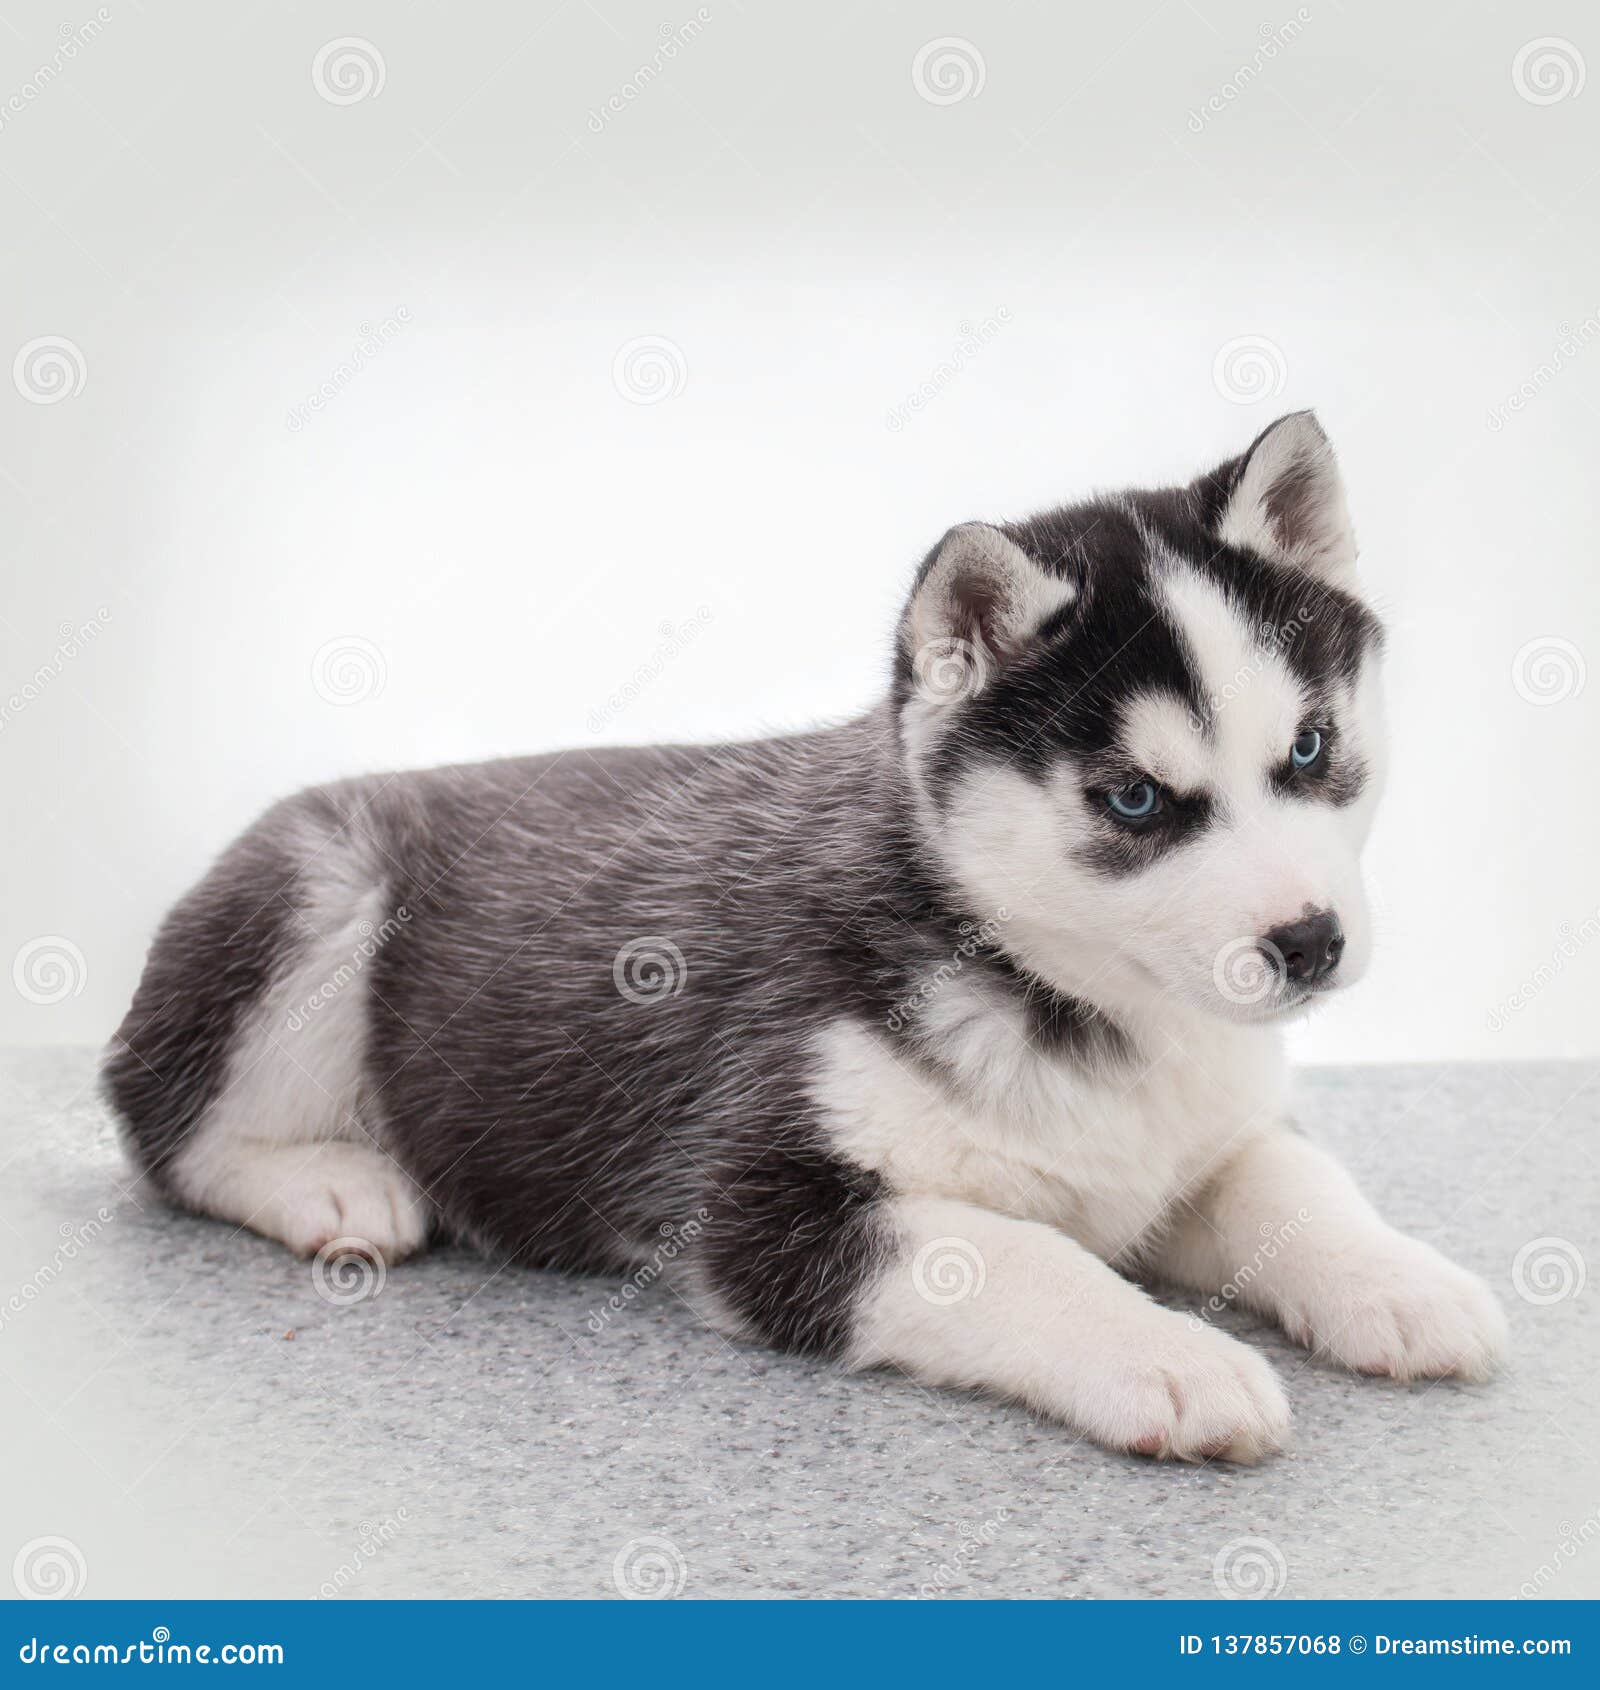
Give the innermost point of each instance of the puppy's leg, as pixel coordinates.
(970, 1297)
(808, 1254)
(240, 1071)
(1284, 1230)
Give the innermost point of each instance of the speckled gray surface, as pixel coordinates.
(464, 1434)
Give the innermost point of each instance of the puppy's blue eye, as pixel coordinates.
(1307, 748)
(1135, 803)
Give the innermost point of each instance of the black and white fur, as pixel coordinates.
(876, 1004)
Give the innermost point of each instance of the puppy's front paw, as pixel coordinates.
(1402, 1309)
(1185, 1392)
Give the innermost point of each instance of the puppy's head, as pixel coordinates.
(1148, 729)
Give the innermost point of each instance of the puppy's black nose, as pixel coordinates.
(1310, 948)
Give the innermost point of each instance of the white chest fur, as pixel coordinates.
(996, 1120)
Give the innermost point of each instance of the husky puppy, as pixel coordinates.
(923, 1038)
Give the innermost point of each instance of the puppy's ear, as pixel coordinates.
(1284, 498)
(977, 604)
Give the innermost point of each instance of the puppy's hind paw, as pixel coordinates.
(310, 1196)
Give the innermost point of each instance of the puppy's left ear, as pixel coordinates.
(1284, 497)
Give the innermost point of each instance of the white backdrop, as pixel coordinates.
(339, 448)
